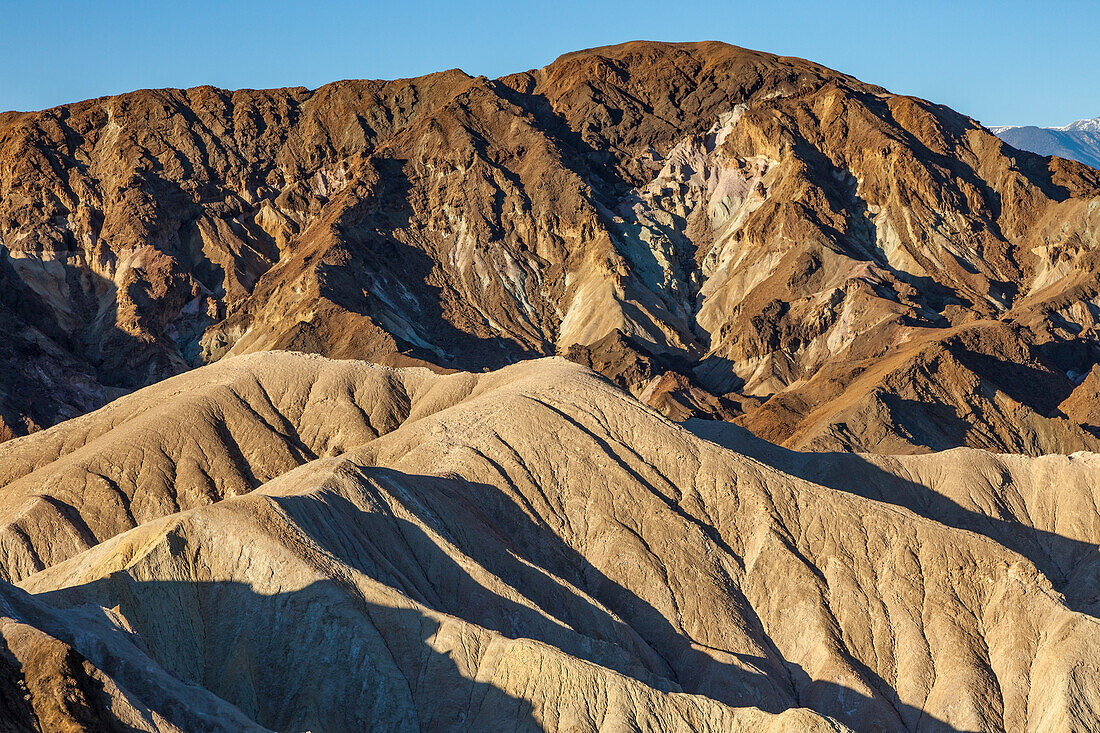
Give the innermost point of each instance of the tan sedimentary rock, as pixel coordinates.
(533, 547)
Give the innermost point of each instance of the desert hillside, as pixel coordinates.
(668, 387)
(725, 233)
(284, 542)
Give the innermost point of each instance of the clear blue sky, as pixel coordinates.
(1000, 62)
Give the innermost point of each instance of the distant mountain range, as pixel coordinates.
(1078, 141)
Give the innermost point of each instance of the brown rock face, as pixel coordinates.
(846, 267)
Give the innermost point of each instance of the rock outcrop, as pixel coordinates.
(726, 233)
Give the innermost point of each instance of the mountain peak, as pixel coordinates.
(724, 232)
(1078, 140)
(1092, 125)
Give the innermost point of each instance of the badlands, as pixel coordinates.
(669, 387)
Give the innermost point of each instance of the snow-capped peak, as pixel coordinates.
(1092, 125)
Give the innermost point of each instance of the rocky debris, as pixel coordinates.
(1081, 404)
(535, 547)
(657, 380)
(980, 385)
(48, 684)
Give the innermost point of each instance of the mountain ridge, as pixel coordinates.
(666, 387)
(462, 568)
(759, 230)
(1078, 140)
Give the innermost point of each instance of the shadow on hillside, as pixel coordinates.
(394, 283)
(52, 689)
(1060, 559)
(930, 424)
(16, 713)
(319, 659)
(303, 659)
(590, 164)
(47, 376)
(1043, 390)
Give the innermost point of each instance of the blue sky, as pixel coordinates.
(1005, 62)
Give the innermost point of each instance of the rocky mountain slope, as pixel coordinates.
(725, 233)
(1078, 141)
(283, 542)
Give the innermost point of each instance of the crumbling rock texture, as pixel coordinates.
(726, 233)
